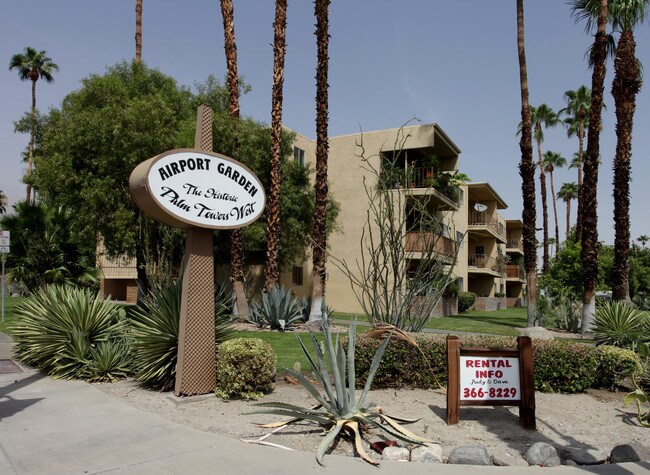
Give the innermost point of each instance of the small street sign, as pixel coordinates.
(5, 238)
(4, 249)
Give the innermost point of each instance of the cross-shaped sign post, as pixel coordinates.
(197, 190)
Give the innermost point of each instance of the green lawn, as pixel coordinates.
(10, 305)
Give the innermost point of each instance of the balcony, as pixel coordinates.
(480, 263)
(515, 246)
(485, 225)
(429, 181)
(514, 272)
(421, 242)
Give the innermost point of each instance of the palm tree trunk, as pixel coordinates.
(322, 149)
(542, 189)
(625, 87)
(590, 182)
(554, 199)
(236, 252)
(568, 218)
(138, 31)
(271, 270)
(527, 172)
(30, 147)
(581, 144)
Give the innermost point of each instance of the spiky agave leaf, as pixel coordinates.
(353, 426)
(328, 439)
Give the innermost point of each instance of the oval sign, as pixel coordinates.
(187, 187)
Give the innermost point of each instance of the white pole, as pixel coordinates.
(3, 287)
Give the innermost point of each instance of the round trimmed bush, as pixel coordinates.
(245, 368)
(617, 364)
(465, 301)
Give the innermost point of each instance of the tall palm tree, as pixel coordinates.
(271, 270)
(4, 202)
(553, 160)
(138, 31)
(527, 172)
(236, 250)
(32, 65)
(643, 239)
(322, 151)
(577, 109)
(584, 9)
(624, 16)
(543, 117)
(568, 192)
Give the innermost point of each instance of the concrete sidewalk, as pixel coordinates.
(70, 427)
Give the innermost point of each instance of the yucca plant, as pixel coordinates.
(59, 328)
(278, 309)
(620, 324)
(155, 334)
(339, 411)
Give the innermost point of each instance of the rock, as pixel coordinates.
(585, 456)
(399, 454)
(508, 460)
(536, 333)
(470, 455)
(430, 453)
(541, 453)
(629, 453)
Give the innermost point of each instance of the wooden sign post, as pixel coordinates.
(489, 377)
(199, 191)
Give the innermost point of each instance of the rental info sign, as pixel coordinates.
(189, 187)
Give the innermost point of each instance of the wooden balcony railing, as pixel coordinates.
(417, 241)
(482, 219)
(514, 271)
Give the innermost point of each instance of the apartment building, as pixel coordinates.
(515, 274)
(471, 232)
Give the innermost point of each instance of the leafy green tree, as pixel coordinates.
(564, 276)
(31, 66)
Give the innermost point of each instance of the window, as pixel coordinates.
(299, 156)
(480, 250)
(444, 230)
(460, 284)
(459, 238)
(296, 275)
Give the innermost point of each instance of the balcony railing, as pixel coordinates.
(482, 219)
(514, 271)
(515, 244)
(417, 241)
(481, 261)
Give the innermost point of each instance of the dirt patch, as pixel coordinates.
(596, 419)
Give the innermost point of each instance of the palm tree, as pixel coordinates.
(4, 202)
(543, 117)
(138, 31)
(577, 109)
(584, 9)
(624, 15)
(527, 172)
(32, 65)
(322, 150)
(643, 239)
(568, 192)
(553, 160)
(236, 250)
(271, 270)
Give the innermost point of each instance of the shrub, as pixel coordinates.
(465, 301)
(619, 324)
(71, 333)
(615, 365)
(563, 366)
(245, 368)
(155, 334)
(278, 309)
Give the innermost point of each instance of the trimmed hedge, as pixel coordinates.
(465, 301)
(245, 368)
(615, 365)
(559, 366)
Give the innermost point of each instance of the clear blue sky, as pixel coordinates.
(454, 63)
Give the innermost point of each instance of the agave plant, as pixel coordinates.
(620, 324)
(278, 309)
(60, 329)
(155, 334)
(339, 411)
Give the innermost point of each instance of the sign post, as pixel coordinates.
(197, 190)
(5, 241)
(487, 377)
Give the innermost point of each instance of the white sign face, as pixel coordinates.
(205, 190)
(489, 378)
(4, 249)
(5, 238)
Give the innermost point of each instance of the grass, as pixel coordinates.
(10, 304)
